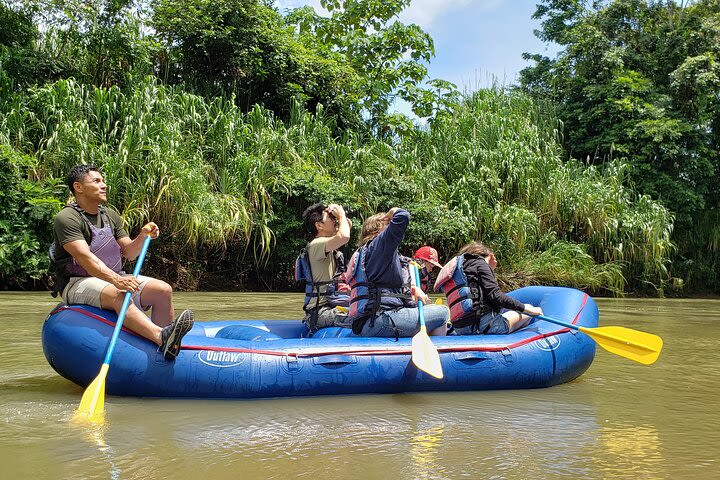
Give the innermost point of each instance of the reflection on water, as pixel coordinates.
(619, 420)
(94, 434)
(426, 452)
(632, 449)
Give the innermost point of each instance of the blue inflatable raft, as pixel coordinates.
(260, 359)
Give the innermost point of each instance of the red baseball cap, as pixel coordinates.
(428, 254)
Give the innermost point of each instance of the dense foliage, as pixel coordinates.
(390, 54)
(220, 180)
(222, 120)
(244, 48)
(26, 209)
(638, 81)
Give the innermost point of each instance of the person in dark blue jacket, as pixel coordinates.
(383, 303)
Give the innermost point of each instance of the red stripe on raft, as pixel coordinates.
(96, 317)
(562, 330)
(584, 301)
(399, 351)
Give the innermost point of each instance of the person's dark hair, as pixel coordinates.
(312, 214)
(77, 173)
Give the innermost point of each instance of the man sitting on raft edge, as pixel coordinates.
(89, 242)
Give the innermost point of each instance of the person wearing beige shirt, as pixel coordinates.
(321, 265)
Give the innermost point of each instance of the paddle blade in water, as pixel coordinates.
(639, 346)
(425, 356)
(92, 404)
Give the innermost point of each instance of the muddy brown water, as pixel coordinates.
(618, 420)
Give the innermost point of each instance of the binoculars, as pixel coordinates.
(349, 211)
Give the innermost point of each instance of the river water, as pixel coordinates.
(620, 419)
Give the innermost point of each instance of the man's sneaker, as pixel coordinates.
(173, 334)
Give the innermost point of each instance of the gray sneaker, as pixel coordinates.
(173, 334)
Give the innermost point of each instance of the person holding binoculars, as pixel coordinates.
(321, 266)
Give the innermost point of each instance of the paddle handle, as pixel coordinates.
(416, 277)
(559, 322)
(126, 303)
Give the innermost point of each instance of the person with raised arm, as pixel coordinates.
(321, 266)
(383, 301)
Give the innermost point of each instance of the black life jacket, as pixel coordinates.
(366, 296)
(303, 273)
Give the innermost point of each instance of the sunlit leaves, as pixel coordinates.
(27, 206)
(388, 56)
(638, 81)
(219, 179)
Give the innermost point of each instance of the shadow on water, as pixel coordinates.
(37, 384)
(435, 435)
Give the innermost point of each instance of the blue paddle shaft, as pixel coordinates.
(126, 302)
(416, 275)
(552, 320)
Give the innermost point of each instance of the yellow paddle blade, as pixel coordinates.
(424, 354)
(92, 404)
(640, 346)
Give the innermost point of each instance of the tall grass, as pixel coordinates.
(497, 159)
(214, 177)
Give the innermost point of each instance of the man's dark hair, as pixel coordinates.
(312, 214)
(77, 173)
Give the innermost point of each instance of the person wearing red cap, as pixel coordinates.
(428, 258)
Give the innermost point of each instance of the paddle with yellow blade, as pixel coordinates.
(92, 404)
(633, 344)
(425, 355)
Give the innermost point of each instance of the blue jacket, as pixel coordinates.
(382, 260)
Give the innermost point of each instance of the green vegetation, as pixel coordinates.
(224, 124)
(637, 81)
(220, 180)
(26, 209)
